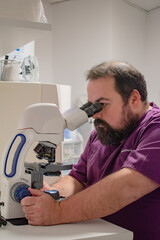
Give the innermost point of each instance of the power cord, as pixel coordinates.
(3, 221)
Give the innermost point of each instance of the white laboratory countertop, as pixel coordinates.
(96, 229)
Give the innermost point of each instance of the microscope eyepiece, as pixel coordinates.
(92, 109)
(86, 105)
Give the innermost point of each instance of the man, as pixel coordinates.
(118, 175)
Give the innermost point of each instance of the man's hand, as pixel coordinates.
(46, 187)
(40, 208)
(66, 186)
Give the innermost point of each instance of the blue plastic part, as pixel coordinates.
(25, 193)
(21, 191)
(53, 193)
(16, 155)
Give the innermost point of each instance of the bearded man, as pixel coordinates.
(117, 176)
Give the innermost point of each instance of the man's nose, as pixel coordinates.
(97, 115)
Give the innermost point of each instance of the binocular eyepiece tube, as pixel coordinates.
(91, 108)
(75, 116)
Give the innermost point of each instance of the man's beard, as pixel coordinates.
(110, 136)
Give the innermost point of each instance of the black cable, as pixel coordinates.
(3, 221)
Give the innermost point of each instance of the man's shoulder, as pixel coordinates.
(154, 111)
(152, 116)
(93, 135)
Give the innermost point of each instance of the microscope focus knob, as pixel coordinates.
(19, 191)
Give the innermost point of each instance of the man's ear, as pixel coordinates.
(135, 98)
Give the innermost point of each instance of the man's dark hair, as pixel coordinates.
(127, 78)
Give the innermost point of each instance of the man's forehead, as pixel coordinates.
(101, 85)
(102, 90)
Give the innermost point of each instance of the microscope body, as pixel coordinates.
(41, 123)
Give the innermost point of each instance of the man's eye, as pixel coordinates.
(103, 104)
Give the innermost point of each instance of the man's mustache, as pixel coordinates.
(100, 123)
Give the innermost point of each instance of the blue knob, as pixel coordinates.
(19, 191)
(25, 193)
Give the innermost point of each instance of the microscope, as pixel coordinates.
(42, 123)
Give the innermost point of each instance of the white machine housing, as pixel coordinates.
(40, 122)
(16, 96)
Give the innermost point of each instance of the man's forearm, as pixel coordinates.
(88, 204)
(105, 197)
(101, 199)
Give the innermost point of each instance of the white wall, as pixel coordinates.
(44, 48)
(81, 32)
(129, 34)
(85, 33)
(153, 55)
